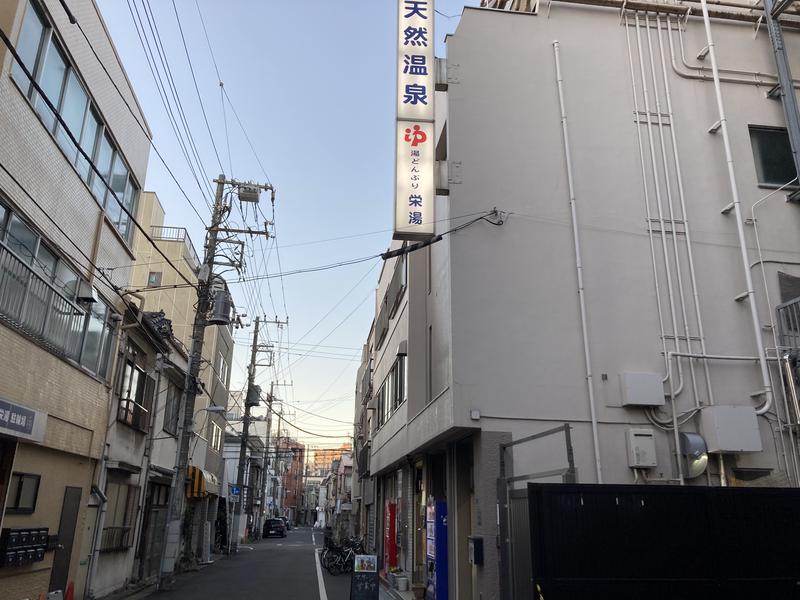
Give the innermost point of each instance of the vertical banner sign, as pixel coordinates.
(415, 188)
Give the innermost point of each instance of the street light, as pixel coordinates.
(212, 409)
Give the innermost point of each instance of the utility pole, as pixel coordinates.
(267, 458)
(252, 398)
(205, 285)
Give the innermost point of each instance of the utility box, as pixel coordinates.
(641, 448)
(641, 389)
(730, 429)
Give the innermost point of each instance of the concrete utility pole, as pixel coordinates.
(252, 398)
(267, 457)
(248, 192)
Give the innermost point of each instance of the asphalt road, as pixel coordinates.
(275, 568)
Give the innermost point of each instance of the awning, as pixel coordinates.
(200, 483)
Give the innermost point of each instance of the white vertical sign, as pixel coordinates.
(415, 188)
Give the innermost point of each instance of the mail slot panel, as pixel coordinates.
(23, 546)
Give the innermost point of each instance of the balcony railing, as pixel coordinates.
(789, 323)
(37, 307)
(178, 234)
(115, 538)
(366, 383)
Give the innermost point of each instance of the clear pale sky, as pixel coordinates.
(313, 82)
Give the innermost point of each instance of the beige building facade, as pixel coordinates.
(59, 315)
(161, 288)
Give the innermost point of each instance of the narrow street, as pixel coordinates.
(275, 568)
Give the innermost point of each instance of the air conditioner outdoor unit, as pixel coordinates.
(86, 293)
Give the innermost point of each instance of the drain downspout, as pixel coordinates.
(578, 265)
(737, 209)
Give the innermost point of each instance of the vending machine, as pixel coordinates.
(436, 525)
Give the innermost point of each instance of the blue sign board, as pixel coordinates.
(235, 490)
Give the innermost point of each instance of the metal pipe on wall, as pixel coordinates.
(646, 191)
(671, 211)
(578, 264)
(684, 212)
(737, 209)
(657, 187)
(792, 443)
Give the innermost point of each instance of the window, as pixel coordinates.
(773, 156)
(399, 381)
(51, 81)
(134, 389)
(22, 493)
(154, 279)
(215, 437)
(38, 295)
(120, 514)
(73, 111)
(222, 369)
(44, 58)
(28, 46)
(172, 408)
(393, 392)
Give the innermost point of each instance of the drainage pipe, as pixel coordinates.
(668, 271)
(670, 208)
(753, 76)
(646, 191)
(774, 328)
(682, 198)
(702, 76)
(737, 209)
(578, 264)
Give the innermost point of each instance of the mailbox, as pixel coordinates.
(475, 550)
(23, 546)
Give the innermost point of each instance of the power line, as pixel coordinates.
(196, 88)
(174, 88)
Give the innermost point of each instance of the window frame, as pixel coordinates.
(50, 39)
(757, 159)
(135, 412)
(68, 348)
(172, 407)
(15, 508)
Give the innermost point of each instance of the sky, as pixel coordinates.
(313, 86)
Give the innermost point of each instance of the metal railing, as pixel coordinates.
(37, 307)
(115, 538)
(789, 323)
(366, 383)
(177, 234)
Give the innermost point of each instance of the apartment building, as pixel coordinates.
(251, 495)
(629, 313)
(59, 225)
(137, 469)
(158, 286)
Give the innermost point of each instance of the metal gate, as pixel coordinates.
(513, 512)
(629, 542)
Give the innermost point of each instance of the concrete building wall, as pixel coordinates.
(518, 355)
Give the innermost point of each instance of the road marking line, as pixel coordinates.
(313, 540)
(322, 594)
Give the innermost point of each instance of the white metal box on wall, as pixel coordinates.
(730, 429)
(641, 448)
(641, 389)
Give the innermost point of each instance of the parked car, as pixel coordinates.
(274, 527)
(287, 523)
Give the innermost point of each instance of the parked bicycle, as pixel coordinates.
(338, 559)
